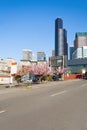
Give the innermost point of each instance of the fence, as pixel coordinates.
(72, 76)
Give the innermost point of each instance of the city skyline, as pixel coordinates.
(30, 24)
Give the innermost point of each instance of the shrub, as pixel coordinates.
(48, 78)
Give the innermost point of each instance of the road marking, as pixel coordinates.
(56, 94)
(83, 85)
(2, 111)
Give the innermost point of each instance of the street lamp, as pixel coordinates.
(63, 67)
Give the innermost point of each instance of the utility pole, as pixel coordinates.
(63, 67)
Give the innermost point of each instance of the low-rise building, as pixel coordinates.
(77, 65)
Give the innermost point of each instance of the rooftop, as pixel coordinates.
(81, 34)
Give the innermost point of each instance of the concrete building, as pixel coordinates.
(4, 73)
(80, 45)
(77, 65)
(9, 61)
(79, 56)
(80, 40)
(53, 52)
(41, 56)
(27, 54)
(58, 61)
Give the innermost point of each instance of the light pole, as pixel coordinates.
(63, 67)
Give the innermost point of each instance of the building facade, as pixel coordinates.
(7, 68)
(80, 45)
(80, 40)
(79, 56)
(80, 52)
(61, 47)
(27, 55)
(58, 61)
(41, 56)
(71, 49)
(77, 65)
(53, 52)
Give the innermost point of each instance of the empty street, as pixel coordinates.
(59, 105)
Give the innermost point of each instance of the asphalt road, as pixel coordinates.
(58, 105)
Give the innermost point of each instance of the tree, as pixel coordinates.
(23, 70)
(17, 78)
(41, 69)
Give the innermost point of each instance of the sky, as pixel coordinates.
(30, 24)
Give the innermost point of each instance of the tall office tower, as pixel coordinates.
(80, 39)
(41, 56)
(27, 54)
(61, 46)
(71, 49)
(80, 45)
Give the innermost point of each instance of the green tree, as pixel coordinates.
(18, 79)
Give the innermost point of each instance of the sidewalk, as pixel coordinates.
(38, 85)
(3, 86)
(21, 86)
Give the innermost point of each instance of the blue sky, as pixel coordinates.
(29, 24)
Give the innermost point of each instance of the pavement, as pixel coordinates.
(37, 85)
(58, 105)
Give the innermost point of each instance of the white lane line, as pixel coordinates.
(56, 94)
(2, 111)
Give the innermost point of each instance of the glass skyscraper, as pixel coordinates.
(61, 47)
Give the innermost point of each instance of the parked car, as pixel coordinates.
(35, 79)
(55, 78)
(26, 79)
(29, 81)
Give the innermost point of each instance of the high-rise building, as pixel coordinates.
(80, 52)
(79, 56)
(80, 39)
(61, 46)
(41, 56)
(80, 45)
(27, 54)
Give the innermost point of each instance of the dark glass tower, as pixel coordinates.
(61, 47)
